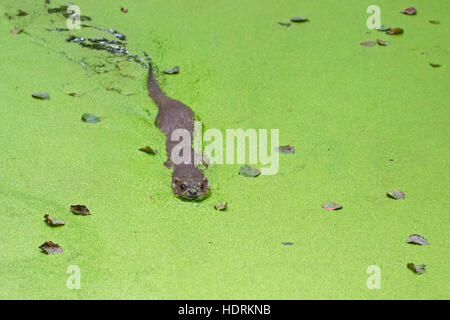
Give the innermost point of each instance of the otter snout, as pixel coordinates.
(192, 193)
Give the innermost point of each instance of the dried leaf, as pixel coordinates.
(396, 194)
(173, 70)
(417, 239)
(41, 95)
(50, 248)
(420, 269)
(299, 19)
(383, 43)
(410, 11)
(80, 210)
(368, 43)
(248, 171)
(435, 65)
(221, 206)
(124, 10)
(331, 206)
(285, 24)
(383, 28)
(148, 150)
(90, 118)
(16, 31)
(287, 243)
(434, 21)
(54, 221)
(285, 149)
(394, 31)
(74, 94)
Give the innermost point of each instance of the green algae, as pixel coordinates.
(240, 70)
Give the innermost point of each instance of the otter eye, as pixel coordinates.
(183, 186)
(202, 186)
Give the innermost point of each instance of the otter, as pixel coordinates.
(188, 181)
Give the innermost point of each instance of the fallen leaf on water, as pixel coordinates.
(41, 95)
(287, 243)
(173, 70)
(435, 65)
(149, 150)
(248, 171)
(368, 43)
(124, 10)
(16, 31)
(299, 19)
(80, 209)
(50, 248)
(383, 28)
(74, 94)
(394, 31)
(417, 239)
(220, 206)
(285, 24)
(90, 118)
(331, 206)
(434, 21)
(420, 269)
(383, 43)
(396, 194)
(410, 11)
(151, 197)
(54, 221)
(285, 149)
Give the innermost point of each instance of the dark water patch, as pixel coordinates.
(63, 11)
(111, 46)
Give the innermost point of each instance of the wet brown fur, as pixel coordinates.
(188, 181)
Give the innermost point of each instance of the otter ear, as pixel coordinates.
(175, 180)
(205, 179)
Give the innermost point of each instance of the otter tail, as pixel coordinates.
(154, 90)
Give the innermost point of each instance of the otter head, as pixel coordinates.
(190, 189)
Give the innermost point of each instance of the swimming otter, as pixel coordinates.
(188, 181)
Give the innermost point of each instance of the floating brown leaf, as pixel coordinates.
(148, 150)
(285, 24)
(394, 31)
(80, 209)
(368, 43)
(435, 65)
(74, 94)
(41, 95)
(124, 10)
(383, 43)
(248, 171)
(50, 248)
(16, 31)
(299, 19)
(417, 239)
(396, 194)
(331, 206)
(221, 206)
(420, 269)
(285, 149)
(173, 70)
(410, 11)
(287, 243)
(434, 21)
(54, 221)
